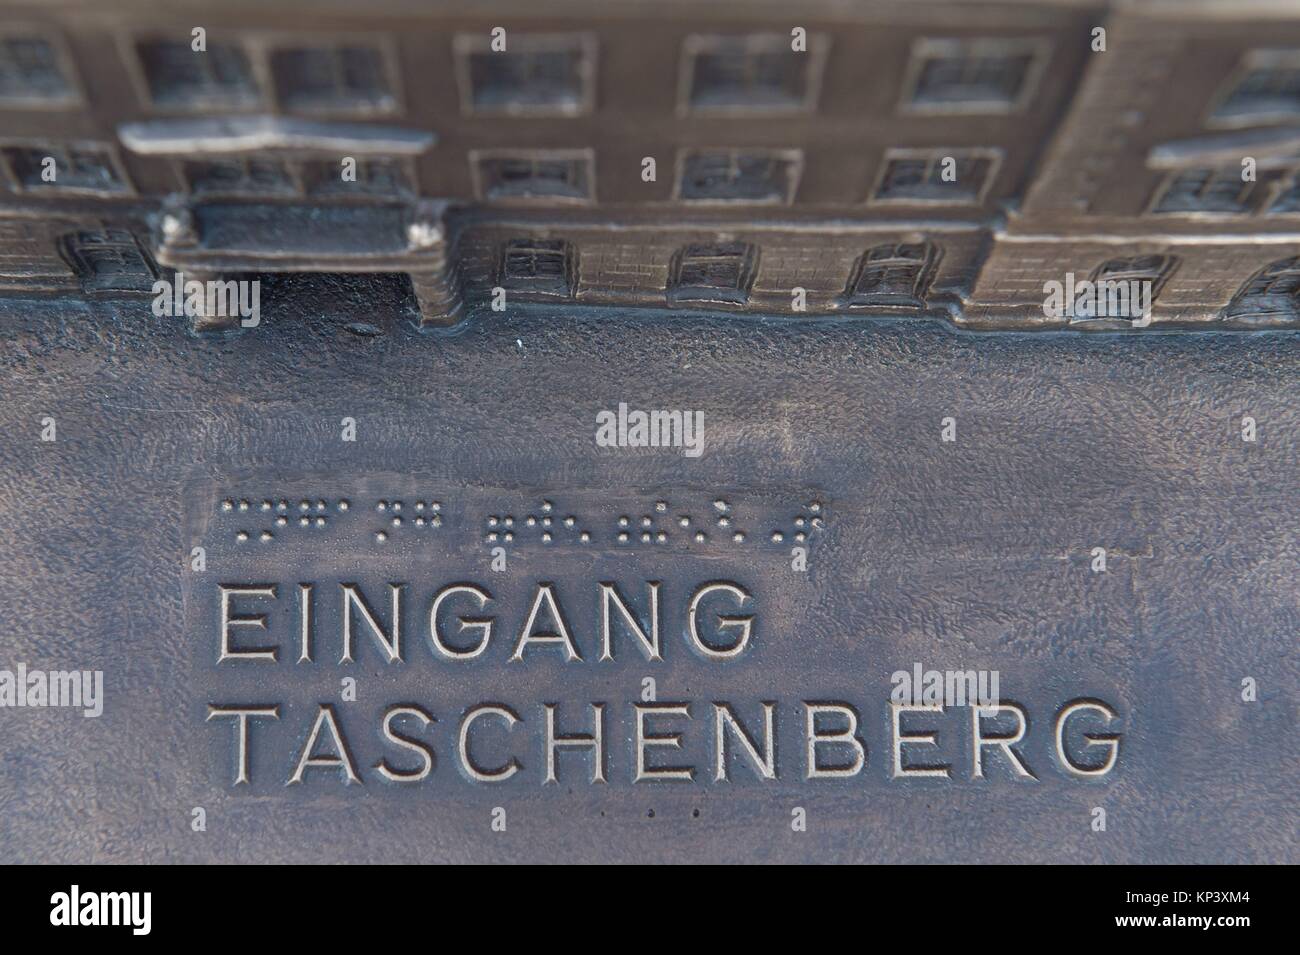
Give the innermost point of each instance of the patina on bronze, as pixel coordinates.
(928, 556)
(440, 434)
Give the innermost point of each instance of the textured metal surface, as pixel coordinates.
(966, 554)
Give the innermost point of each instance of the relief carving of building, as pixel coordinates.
(890, 157)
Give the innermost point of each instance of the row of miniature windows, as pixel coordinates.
(537, 73)
(93, 168)
(724, 272)
(554, 74)
(885, 275)
(1224, 191)
(888, 275)
(703, 175)
(723, 175)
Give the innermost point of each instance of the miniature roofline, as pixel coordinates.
(844, 10)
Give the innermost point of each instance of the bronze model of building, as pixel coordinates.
(892, 157)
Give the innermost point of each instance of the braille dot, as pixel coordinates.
(304, 505)
(320, 505)
(699, 537)
(492, 536)
(492, 521)
(585, 537)
(724, 522)
(546, 537)
(799, 522)
(304, 521)
(815, 506)
(435, 506)
(661, 505)
(546, 522)
(243, 505)
(684, 521)
(530, 521)
(419, 522)
(623, 522)
(547, 506)
(646, 537)
(343, 505)
(646, 521)
(509, 537)
(397, 505)
(800, 536)
(509, 521)
(380, 536)
(282, 506)
(570, 521)
(436, 521)
(320, 522)
(397, 522)
(281, 521)
(777, 536)
(720, 504)
(622, 537)
(661, 537)
(241, 536)
(227, 505)
(738, 537)
(419, 505)
(266, 505)
(267, 535)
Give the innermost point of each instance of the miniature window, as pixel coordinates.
(892, 275)
(1116, 278)
(71, 169)
(332, 78)
(30, 71)
(1274, 292)
(535, 74)
(109, 261)
(758, 72)
(971, 75)
(239, 176)
(181, 77)
(930, 177)
(738, 176)
(534, 177)
(714, 273)
(1268, 88)
(367, 177)
(537, 265)
(1206, 190)
(1288, 198)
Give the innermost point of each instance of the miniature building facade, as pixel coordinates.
(939, 157)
